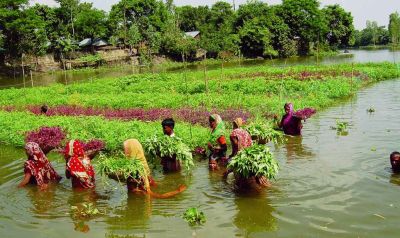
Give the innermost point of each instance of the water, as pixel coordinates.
(69, 77)
(329, 186)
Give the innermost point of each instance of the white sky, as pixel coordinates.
(362, 10)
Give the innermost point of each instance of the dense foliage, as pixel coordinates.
(262, 132)
(48, 138)
(120, 166)
(171, 147)
(256, 160)
(154, 26)
(194, 217)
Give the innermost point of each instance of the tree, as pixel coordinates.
(192, 18)
(394, 28)
(340, 26)
(134, 37)
(90, 22)
(305, 22)
(68, 10)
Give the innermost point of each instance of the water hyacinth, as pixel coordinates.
(190, 115)
(48, 138)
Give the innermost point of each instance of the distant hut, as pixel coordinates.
(193, 34)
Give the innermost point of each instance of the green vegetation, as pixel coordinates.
(260, 90)
(121, 167)
(255, 29)
(84, 210)
(171, 147)
(194, 217)
(262, 132)
(341, 127)
(256, 160)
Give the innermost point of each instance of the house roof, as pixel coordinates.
(85, 42)
(100, 42)
(192, 33)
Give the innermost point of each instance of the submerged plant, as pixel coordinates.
(172, 147)
(256, 160)
(84, 210)
(341, 126)
(194, 217)
(371, 110)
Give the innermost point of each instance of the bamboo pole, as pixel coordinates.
(31, 78)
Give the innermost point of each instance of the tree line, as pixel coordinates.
(255, 29)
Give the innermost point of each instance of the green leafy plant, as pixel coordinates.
(119, 166)
(256, 160)
(165, 146)
(84, 210)
(341, 126)
(265, 132)
(371, 110)
(194, 217)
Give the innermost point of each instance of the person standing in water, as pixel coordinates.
(37, 168)
(290, 124)
(217, 142)
(169, 164)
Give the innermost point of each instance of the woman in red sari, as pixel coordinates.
(37, 168)
(78, 167)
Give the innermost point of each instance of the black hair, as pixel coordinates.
(168, 122)
(394, 154)
(44, 109)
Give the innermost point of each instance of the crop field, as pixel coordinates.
(119, 108)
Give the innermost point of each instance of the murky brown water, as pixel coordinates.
(329, 186)
(69, 77)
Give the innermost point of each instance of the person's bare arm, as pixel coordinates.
(25, 181)
(235, 146)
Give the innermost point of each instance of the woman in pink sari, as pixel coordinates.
(239, 137)
(78, 167)
(37, 168)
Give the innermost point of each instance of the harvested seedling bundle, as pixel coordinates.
(264, 133)
(121, 167)
(48, 138)
(256, 160)
(172, 147)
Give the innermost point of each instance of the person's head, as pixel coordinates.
(33, 150)
(288, 107)
(213, 121)
(168, 126)
(395, 161)
(133, 149)
(237, 123)
(44, 109)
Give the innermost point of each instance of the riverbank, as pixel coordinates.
(258, 92)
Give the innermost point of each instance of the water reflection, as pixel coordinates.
(254, 214)
(43, 201)
(395, 178)
(295, 149)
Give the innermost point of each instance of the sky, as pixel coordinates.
(362, 10)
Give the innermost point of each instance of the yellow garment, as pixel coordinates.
(133, 149)
(239, 122)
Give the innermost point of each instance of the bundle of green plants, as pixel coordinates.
(120, 167)
(265, 132)
(194, 217)
(256, 160)
(172, 147)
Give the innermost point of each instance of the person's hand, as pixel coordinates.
(181, 188)
(263, 181)
(275, 116)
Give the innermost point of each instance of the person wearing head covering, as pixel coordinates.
(290, 124)
(37, 168)
(217, 141)
(78, 166)
(133, 149)
(239, 137)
